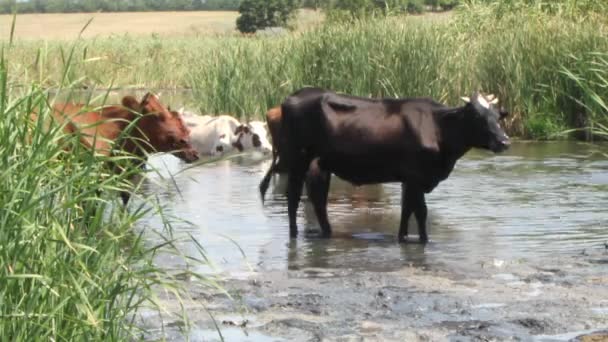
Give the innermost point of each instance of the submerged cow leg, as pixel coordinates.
(317, 182)
(294, 192)
(406, 211)
(125, 196)
(412, 201)
(421, 213)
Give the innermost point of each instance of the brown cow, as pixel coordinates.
(155, 130)
(273, 120)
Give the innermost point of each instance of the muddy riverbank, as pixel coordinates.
(556, 299)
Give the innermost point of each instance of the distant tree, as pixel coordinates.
(197, 4)
(56, 6)
(259, 14)
(249, 18)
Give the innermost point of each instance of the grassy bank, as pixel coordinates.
(518, 54)
(72, 267)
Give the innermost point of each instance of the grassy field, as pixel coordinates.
(66, 26)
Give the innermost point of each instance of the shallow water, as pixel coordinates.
(536, 200)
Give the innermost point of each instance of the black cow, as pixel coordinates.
(414, 141)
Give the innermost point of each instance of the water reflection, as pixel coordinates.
(536, 200)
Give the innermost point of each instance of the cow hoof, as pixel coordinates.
(402, 239)
(316, 234)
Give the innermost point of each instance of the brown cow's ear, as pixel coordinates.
(130, 102)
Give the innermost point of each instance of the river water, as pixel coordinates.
(536, 199)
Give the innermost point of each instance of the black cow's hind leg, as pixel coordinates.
(125, 196)
(406, 211)
(294, 192)
(317, 182)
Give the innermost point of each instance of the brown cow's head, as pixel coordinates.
(165, 130)
(485, 122)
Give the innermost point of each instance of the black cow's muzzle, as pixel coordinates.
(501, 145)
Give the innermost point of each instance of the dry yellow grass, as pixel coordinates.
(68, 25)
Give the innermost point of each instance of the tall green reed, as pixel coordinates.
(591, 80)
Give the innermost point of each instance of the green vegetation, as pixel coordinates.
(72, 267)
(260, 14)
(591, 80)
(362, 8)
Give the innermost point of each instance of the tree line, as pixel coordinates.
(75, 6)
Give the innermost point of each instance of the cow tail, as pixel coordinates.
(266, 180)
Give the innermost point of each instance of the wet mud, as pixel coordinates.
(558, 299)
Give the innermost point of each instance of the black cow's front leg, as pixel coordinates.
(317, 182)
(412, 201)
(294, 192)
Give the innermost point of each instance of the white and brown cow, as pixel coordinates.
(220, 135)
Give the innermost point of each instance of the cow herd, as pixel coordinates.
(314, 133)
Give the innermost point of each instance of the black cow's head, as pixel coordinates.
(486, 130)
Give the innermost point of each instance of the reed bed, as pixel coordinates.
(74, 266)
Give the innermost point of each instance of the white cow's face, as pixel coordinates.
(221, 146)
(252, 136)
(260, 133)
